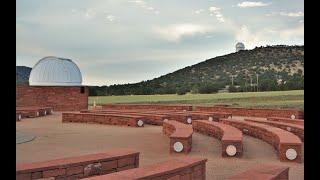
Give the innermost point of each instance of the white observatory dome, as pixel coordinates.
(55, 71)
(239, 46)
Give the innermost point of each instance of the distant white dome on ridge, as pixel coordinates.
(239, 46)
(55, 71)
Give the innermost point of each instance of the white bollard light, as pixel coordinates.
(231, 150)
(189, 120)
(291, 154)
(140, 123)
(178, 146)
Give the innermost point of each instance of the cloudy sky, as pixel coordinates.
(125, 41)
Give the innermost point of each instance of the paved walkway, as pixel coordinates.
(23, 137)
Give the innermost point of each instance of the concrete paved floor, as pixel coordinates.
(57, 140)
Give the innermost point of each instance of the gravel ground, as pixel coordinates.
(56, 140)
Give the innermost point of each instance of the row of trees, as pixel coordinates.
(265, 84)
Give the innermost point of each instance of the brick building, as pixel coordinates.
(55, 82)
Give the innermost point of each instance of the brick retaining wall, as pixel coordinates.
(59, 97)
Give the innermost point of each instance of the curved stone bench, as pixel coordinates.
(180, 136)
(148, 106)
(230, 137)
(175, 169)
(216, 115)
(254, 112)
(211, 116)
(263, 172)
(287, 120)
(287, 144)
(183, 118)
(34, 111)
(298, 130)
(79, 166)
(28, 113)
(111, 119)
(149, 118)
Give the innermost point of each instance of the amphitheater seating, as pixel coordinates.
(293, 128)
(211, 116)
(231, 137)
(180, 136)
(148, 106)
(33, 111)
(287, 120)
(287, 144)
(183, 118)
(253, 112)
(149, 118)
(111, 119)
(156, 117)
(80, 166)
(175, 169)
(263, 172)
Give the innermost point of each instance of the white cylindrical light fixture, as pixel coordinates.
(178, 146)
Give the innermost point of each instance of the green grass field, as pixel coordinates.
(277, 99)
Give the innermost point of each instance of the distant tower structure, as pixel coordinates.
(239, 46)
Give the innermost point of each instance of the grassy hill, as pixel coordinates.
(278, 68)
(274, 99)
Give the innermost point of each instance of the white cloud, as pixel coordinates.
(90, 13)
(110, 18)
(292, 33)
(213, 9)
(216, 11)
(177, 31)
(268, 35)
(139, 2)
(288, 14)
(144, 5)
(247, 4)
(198, 11)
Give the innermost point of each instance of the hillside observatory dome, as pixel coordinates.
(55, 71)
(239, 46)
